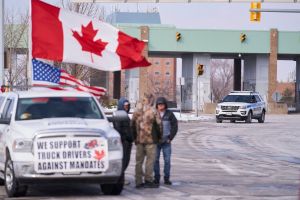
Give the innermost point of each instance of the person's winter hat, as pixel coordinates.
(161, 100)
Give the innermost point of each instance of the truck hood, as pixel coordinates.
(233, 104)
(29, 128)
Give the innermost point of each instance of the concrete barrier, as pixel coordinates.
(277, 108)
(209, 108)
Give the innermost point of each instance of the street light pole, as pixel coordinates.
(1, 42)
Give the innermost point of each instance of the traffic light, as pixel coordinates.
(200, 69)
(178, 36)
(243, 37)
(255, 16)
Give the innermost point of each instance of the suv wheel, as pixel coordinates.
(218, 120)
(232, 121)
(12, 187)
(261, 119)
(113, 189)
(249, 117)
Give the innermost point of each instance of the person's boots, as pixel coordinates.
(150, 184)
(156, 181)
(167, 181)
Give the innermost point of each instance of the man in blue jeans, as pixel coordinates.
(170, 128)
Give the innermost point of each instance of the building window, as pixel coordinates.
(156, 73)
(168, 63)
(168, 73)
(157, 83)
(156, 62)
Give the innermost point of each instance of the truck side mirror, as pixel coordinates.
(118, 116)
(5, 121)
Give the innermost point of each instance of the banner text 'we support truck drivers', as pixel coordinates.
(70, 155)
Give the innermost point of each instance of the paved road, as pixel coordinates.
(216, 161)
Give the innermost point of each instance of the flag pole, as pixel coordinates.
(1, 43)
(29, 65)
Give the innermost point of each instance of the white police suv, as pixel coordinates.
(59, 136)
(241, 106)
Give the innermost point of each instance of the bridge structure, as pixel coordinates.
(259, 52)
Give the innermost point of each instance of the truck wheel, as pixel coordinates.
(113, 189)
(261, 119)
(1, 181)
(249, 117)
(218, 120)
(232, 121)
(12, 187)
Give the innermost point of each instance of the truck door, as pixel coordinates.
(4, 128)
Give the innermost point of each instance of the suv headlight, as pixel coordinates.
(218, 107)
(114, 143)
(22, 145)
(244, 107)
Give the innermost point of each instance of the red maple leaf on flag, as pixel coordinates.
(87, 40)
(99, 155)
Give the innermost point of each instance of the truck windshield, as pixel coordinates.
(237, 98)
(52, 107)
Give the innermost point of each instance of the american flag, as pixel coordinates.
(47, 75)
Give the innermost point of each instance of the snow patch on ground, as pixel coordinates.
(192, 117)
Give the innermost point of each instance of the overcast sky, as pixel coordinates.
(206, 16)
(203, 15)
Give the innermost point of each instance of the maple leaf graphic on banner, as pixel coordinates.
(87, 40)
(99, 155)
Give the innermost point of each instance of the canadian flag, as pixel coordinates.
(61, 35)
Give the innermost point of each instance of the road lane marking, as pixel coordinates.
(228, 169)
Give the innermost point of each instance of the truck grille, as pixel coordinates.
(230, 108)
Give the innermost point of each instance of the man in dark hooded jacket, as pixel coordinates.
(170, 128)
(123, 127)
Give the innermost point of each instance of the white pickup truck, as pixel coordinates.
(54, 137)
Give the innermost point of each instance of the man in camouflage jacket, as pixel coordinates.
(147, 132)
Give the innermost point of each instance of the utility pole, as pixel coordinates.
(197, 97)
(1, 42)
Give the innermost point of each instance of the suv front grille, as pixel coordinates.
(230, 108)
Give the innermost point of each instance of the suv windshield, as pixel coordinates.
(51, 107)
(238, 98)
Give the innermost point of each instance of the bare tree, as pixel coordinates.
(158, 86)
(221, 78)
(292, 76)
(88, 9)
(16, 47)
(288, 96)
